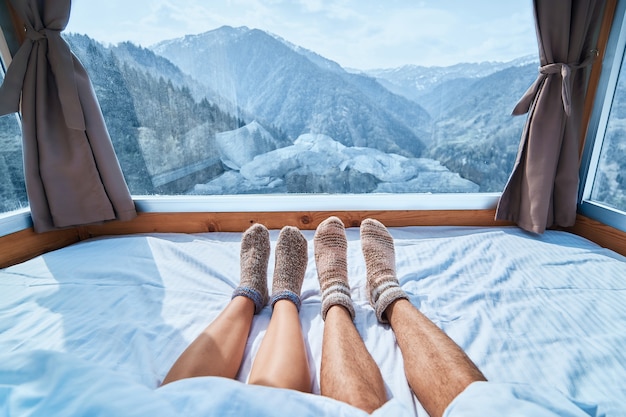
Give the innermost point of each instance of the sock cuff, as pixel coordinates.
(286, 295)
(337, 298)
(383, 284)
(386, 296)
(337, 292)
(252, 294)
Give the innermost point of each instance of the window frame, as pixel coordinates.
(612, 64)
(18, 220)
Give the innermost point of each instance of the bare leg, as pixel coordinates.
(348, 371)
(282, 360)
(436, 367)
(219, 349)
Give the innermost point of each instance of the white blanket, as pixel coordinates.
(96, 325)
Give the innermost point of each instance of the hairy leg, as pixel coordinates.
(219, 349)
(348, 371)
(436, 367)
(282, 360)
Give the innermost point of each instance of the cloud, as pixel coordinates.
(356, 33)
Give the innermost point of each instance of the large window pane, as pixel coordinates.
(309, 97)
(609, 186)
(13, 190)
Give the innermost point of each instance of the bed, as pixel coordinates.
(92, 329)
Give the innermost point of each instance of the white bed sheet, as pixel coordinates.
(546, 310)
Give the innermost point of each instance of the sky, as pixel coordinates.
(359, 34)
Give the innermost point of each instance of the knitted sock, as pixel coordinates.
(331, 248)
(254, 255)
(383, 287)
(291, 262)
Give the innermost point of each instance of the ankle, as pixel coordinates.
(284, 296)
(285, 304)
(394, 308)
(338, 310)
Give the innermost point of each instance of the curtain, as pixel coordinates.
(72, 174)
(542, 190)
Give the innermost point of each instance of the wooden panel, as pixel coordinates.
(600, 233)
(26, 244)
(238, 222)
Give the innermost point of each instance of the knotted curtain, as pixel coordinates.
(72, 174)
(542, 190)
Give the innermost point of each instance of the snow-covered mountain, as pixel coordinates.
(318, 164)
(414, 81)
(238, 147)
(279, 85)
(298, 122)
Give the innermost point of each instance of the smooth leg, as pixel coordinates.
(348, 371)
(219, 349)
(281, 361)
(436, 367)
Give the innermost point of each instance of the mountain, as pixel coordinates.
(238, 147)
(474, 132)
(146, 61)
(117, 106)
(172, 135)
(13, 190)
(610, 182)
(316, 163)
(278, 83)
(164, 137)
(415, 81)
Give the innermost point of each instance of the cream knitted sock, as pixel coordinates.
(331, 248)
(254, 255)
(291, 262)
(383, 287)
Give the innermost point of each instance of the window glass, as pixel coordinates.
(309, 97)
(13, 190)
(609, 186)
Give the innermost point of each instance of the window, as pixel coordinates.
(603, 195)
(278, 98)
(13, 190)
(609, 186)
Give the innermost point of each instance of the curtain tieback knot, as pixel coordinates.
(61, 63)
(565, 70)
(35, 35)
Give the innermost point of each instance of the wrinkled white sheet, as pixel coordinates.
(83, 324)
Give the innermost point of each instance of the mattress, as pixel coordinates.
(93, 328)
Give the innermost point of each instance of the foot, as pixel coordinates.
(254, 256)
(383, 287)
(291, 262)
(331, 248)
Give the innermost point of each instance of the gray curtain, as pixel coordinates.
(543, 188)
(72, 174)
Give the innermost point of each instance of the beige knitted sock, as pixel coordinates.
(254, 255)
(383, 287)
(331, 248)
(291, 262)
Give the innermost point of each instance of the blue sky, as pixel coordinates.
(361, 34)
